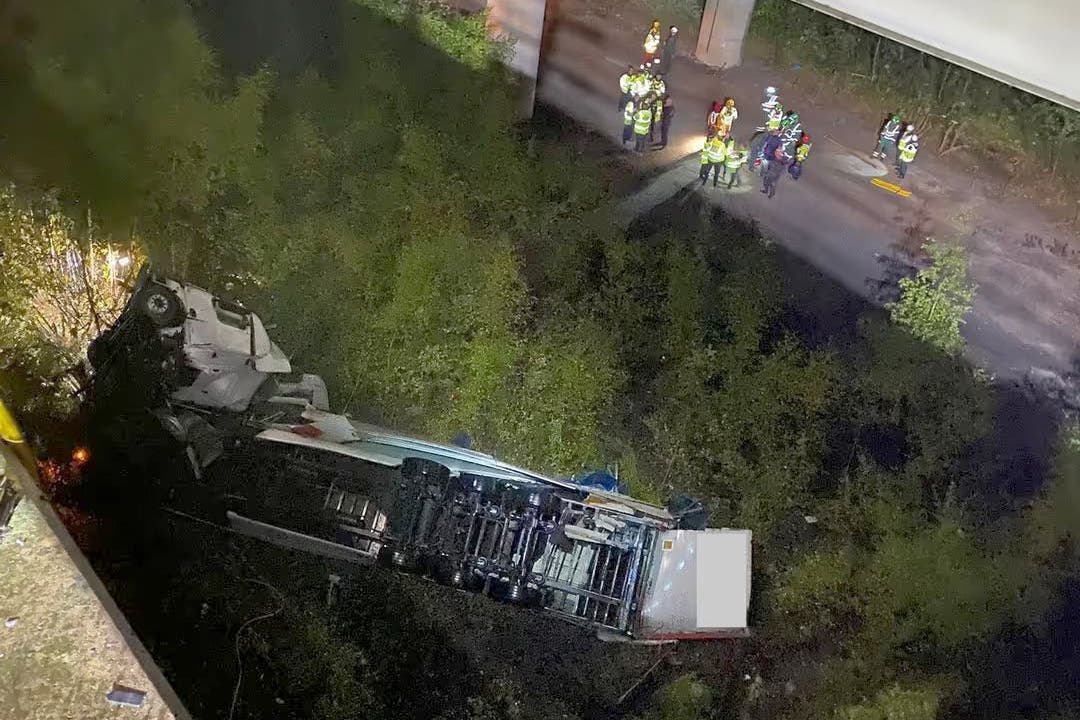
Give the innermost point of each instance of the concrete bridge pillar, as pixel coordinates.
(723, 28)
(521, 22)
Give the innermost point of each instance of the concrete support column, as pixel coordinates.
(522, 23)
(723, 28)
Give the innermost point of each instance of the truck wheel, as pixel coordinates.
(160, 304)
(447, 572)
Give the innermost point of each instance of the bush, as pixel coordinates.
(934, 302)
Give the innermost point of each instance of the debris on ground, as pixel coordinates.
(129, 697)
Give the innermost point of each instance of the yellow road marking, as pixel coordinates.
(890, 187)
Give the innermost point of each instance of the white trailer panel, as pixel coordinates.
(1030, 44)
(699, 585)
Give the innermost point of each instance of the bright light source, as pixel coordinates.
(80, 456)
(123, 261)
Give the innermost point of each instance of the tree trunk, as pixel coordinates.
(873, 63)
(943, 84)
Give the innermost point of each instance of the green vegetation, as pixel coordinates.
(61, 287)
(683, 14)
(684, 698)
(934, 302)
(962, 109)
(445, 269)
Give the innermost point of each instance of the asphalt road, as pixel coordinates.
(1026, 321)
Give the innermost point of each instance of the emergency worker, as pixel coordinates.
(728, 115)
(772, 173)
(774, 118)
(770, 102)
(802, 151)
(773, 143)
(909, 130)
(657, 117)
(712, 121)
(628, 121)
(665, 120)
(908, 149)
(887, 136)
(625, 82)
(642, 82)
(713, 154)
(642, 123)
(671, 49)
(732, 163)
(659, 87)
(652, 42)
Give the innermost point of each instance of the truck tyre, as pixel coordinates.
(160, 305)
(447, 572)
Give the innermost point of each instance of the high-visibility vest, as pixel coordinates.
(658, 110)
(624, 83)
(802, 151)
(709, 152)
(652, 42)
(908, 150)
(641, 84)
(659, 87)
(734, 160)
(716, 150)
(728, 116)
(628, 114)
(642, 121)
(890, 131)
(775, 116)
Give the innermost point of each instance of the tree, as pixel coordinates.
(61, 288)
(169, 142)
(933, 304)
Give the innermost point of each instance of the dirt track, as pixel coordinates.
(1025, 326)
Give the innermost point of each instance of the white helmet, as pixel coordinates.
(910, 128)
(770, 90)
(914, 137)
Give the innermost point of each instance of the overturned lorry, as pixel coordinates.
(304, 477)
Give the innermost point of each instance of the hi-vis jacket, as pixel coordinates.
(714, 151)
(652, 42)
(891, 130)
(642, 121)
(908, 149)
